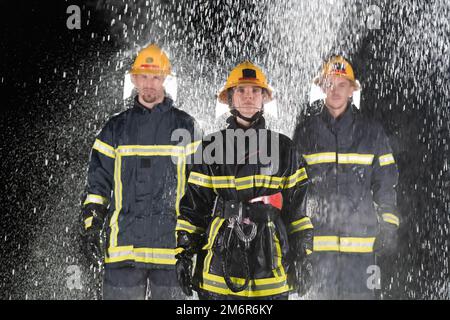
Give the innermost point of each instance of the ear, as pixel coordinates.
(265, 97)
(352, 91)
(133, 79)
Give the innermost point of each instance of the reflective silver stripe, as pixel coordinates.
(252, 286)
(258, 181)
(327, 243)
(390, 218)
(297, 177)
(154, 255)
(104, 148)
(186, 226)
(157, 255)
(344, 244)
(150, 150)
(323, 157)
(343, 158)
(355, 158)
(216, 224)
(360, 245)
(386, 159)
(94, 198)
(300, 225)
(211, 182)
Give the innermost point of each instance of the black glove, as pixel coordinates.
(191, 244)
(183, 269)
(387, 240)
(304, 275)
(91, 235)
(303, 246)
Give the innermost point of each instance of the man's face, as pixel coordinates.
(338, 90)
(150, 87)
(248, 99)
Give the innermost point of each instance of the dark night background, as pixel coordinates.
(58, 90)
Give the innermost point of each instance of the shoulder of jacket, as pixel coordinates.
(116, 118)
(183, 115)
(368, 122)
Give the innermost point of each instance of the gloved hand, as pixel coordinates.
(387, 240)
(191, 244)
(91, 234)
(183, 269)
(303, 265)
(304, 275)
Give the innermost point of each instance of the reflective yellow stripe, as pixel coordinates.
(259, 180)
(211, 182)
(248, 182)
(192, 147)
(390, 218)
(300, 225)
(279, 271)
(183, 225)
(344, 244)
(155, 150)
(95, 198)
(359, 245)
(213, 231)
(104, 148)
(323, 157)
(342, 158)
(145, 255)
(88, 223)
(326, 243)
(386, 159)
(181, 181)
(355, 158)
(256, 288)
(215, 226)
(299, 176)
(114, 224)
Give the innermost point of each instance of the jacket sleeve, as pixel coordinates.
(101, 171)
(294, 196)
(384, 180)
(197, 203)
(195, 140)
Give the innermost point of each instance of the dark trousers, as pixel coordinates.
(341, 276)
(130, 283)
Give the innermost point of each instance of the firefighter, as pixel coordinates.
(352, 194)
(134, 184)
(242, 216)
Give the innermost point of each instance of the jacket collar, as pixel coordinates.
(258, 124)
(344, 120)
(160, 107)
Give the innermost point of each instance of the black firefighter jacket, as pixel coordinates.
(353, 177)
(243, 180)
(138, 172)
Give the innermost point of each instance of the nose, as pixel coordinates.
(248, 93)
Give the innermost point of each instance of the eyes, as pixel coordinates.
(150, 77)
(253, 90)
(329, 85)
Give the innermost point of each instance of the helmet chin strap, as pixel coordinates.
(251, 119)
